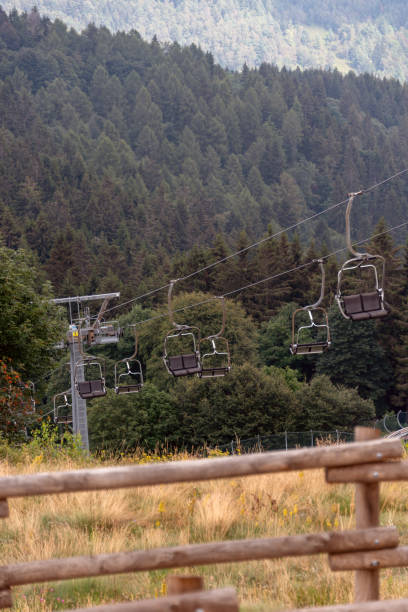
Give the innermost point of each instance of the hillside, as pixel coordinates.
(124, 154)
(362, 36)
(124, 164)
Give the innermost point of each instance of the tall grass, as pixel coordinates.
(112, 521)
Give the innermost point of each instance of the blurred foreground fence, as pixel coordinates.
(364, 550)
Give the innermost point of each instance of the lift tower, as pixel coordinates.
(81, 329)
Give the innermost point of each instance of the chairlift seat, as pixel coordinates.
(184, 365)
(364, 306)
(63, 421)
(134, 388)
(214, 372)
(309, 348)
(89, 389)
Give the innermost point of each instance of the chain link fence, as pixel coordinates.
(287, 440)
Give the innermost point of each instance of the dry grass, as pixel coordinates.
(263, 506)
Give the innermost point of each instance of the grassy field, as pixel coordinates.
(111, 521)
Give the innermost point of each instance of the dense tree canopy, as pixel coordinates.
(124, 164)
(29, 324)
(360, 35)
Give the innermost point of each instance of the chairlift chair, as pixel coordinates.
(364, 304)
(301, 346)
(93, 383)
(217, 361)
(63, 408)
(181, 363)
(128, 373)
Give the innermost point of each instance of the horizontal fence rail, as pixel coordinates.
(392, 557)
(389, 605)
(198, 469)
(197, 554)
(218, 600)
(372, 472)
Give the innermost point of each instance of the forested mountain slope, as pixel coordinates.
(365, 36)
(116, 154)
(124, 163)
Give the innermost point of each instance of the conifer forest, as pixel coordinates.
(125, 163)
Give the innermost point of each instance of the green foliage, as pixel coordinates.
(326, 406)
(356, 359)
(29, 324)
(46, 444)
(125, 422)
(243, 404)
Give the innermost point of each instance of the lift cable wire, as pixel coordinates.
(265, 280)
(234, 291)
(228, 294)
(258, 243)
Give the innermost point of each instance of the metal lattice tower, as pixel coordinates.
(79, 412)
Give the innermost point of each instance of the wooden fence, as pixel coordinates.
(365, 550)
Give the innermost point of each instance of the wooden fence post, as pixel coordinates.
(4, 508)
(367, 507)
(177, 585)
(6, 600)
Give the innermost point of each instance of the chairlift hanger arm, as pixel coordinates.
(101, 312)
(322, 287)
(178, 326)
(351, 197)
(134, 354)
(224, 318)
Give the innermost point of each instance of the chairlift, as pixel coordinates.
(217, 361)
(63, 408)
(128, 373)
(184, 362)
(104, 332)
(364, 304)
(89, 375)
(303, 342)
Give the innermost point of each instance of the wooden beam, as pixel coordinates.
(199, 554)
(370, 560)
(198, 469)
(390, 605)
(372, 472)
(367, 505)
(218, 600)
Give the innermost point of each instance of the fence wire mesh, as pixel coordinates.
(287, 440)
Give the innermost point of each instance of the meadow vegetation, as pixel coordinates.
(145, 518)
